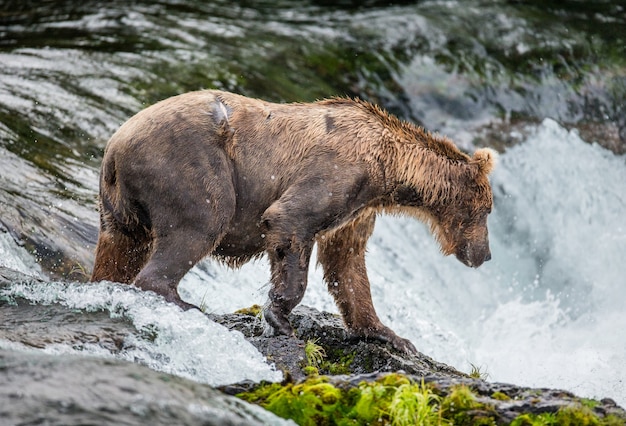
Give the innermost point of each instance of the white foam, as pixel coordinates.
(561, 244)
(187, 344)
(15, 257)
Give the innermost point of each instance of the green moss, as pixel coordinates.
(612, 420)
(253, 311)
(370, 403)
(545, 419)
(500, 396)
(335, 368)
(315, 401)
(261, 393)
(572, 415)
(576, 415)
(591, 403)
(477, 372)
(394, 399)
(462, 408)
(309, 403)
(414, 404)
(337, 363)
(309, 370)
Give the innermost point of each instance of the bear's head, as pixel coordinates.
(460, 220)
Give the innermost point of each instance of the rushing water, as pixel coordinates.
(546, 311)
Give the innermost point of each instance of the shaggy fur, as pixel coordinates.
(214, 173)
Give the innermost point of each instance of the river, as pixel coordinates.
(545, 85)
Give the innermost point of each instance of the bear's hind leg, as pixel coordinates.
(172, 257)
(189, 215)
(119, 257)
(181, 239)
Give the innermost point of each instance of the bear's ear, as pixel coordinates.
(486, 159)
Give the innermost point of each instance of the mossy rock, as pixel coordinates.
(342, 354)
(332, 380)
(398, 399)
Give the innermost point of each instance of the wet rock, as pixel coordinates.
(342, 354)
(286, 353)
(71, 390)
(39, 326)
(372, 363)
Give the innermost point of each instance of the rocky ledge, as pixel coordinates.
(329, 379)
(332, 380)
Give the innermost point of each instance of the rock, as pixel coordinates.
(39, 326)
(372, 367)
(285, 352)
(38, 388)
(327, 331)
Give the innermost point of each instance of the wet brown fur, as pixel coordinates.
(214, 173)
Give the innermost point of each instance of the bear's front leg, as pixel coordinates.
(315, 203)
(289, 264)
(289, 252)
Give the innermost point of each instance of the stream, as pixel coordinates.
(544, 84)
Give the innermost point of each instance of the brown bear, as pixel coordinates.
(215, 173)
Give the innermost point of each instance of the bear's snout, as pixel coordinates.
(474, 255)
